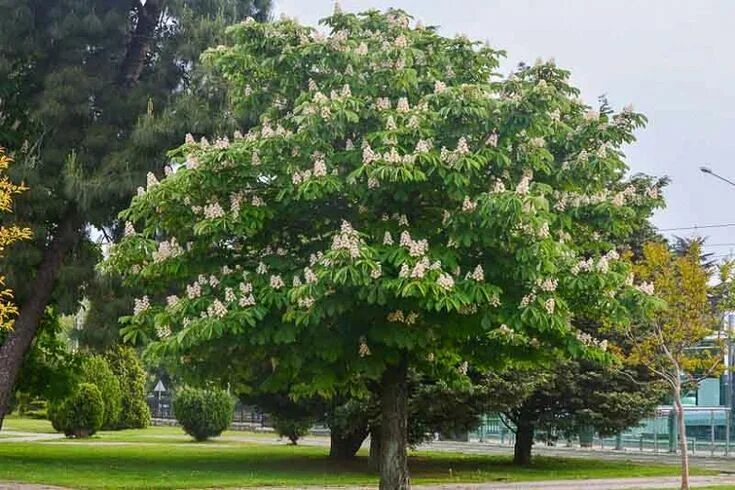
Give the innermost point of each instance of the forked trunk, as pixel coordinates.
(19, 340)
(345, 446)
(393, 428)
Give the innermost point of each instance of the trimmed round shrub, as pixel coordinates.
(203, 413)
(96, 370)
(81, 414)
(126, 366)
(292, 428)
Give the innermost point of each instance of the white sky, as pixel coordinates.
(672, 59)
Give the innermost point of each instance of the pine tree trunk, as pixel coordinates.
(393, 428)
(345, 446)
(17, 343)
(523, 444)
(142, 38)
(682, 438)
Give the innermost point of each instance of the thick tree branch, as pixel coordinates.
(141, 40)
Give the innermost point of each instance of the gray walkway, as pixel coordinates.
(602, 484)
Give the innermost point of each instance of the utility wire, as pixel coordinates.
(698, 227)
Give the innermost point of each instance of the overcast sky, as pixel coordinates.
(672, 59)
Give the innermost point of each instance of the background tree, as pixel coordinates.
(395, 207)
(127, 368)
(91, 94)
(670, 342)
(568, 397)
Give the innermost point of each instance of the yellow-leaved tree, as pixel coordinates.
(8, 235)
(679, 341)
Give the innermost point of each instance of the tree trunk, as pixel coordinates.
(140, 42)
(682, 438)
(19, 340)
(523, 444)
(345, 446)
(393, 428)
(374, 457)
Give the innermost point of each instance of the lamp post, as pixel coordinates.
(730, 400)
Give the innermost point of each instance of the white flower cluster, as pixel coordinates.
(527, 300)
(646, 288)
(478, 274)
(309, 276)
(424, 146)
(347, 239)
(247, 298)
(590, 341)
(445, 281)
(141, 305)
(129, 229)
(319, 170)
(377, 272)
(167, 249)
(398, 317)
(213, 211)
(306, 302)
(524, 185)
(163, 332)
(217, 309)
(363, 349)
(194, 290)
(391, 156)
(416, 248)
(549, 305)
(151, 181)
(601, 265)
(468, 205)
(549, 284)
(276, 282)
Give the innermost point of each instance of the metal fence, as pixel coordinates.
(708, 432)
(161, 407)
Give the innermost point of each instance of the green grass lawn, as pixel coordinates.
(165, 457)
(95, 464)
(13, 422)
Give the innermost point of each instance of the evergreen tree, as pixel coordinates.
(91, 94)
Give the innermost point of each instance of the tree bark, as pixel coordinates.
(345, 446)
(374, 457)
(682, 437)
(523, 444)
(393, 428)
(19, 340)
(140, 42)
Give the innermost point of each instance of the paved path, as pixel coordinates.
(599, 484)
(18, 436)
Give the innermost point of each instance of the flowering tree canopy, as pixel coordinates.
(398, 204)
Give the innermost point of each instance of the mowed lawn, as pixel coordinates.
(160, 458)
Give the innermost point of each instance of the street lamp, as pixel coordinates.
(707, 170)
(730, 400)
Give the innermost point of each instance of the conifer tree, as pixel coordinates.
(91, 94)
